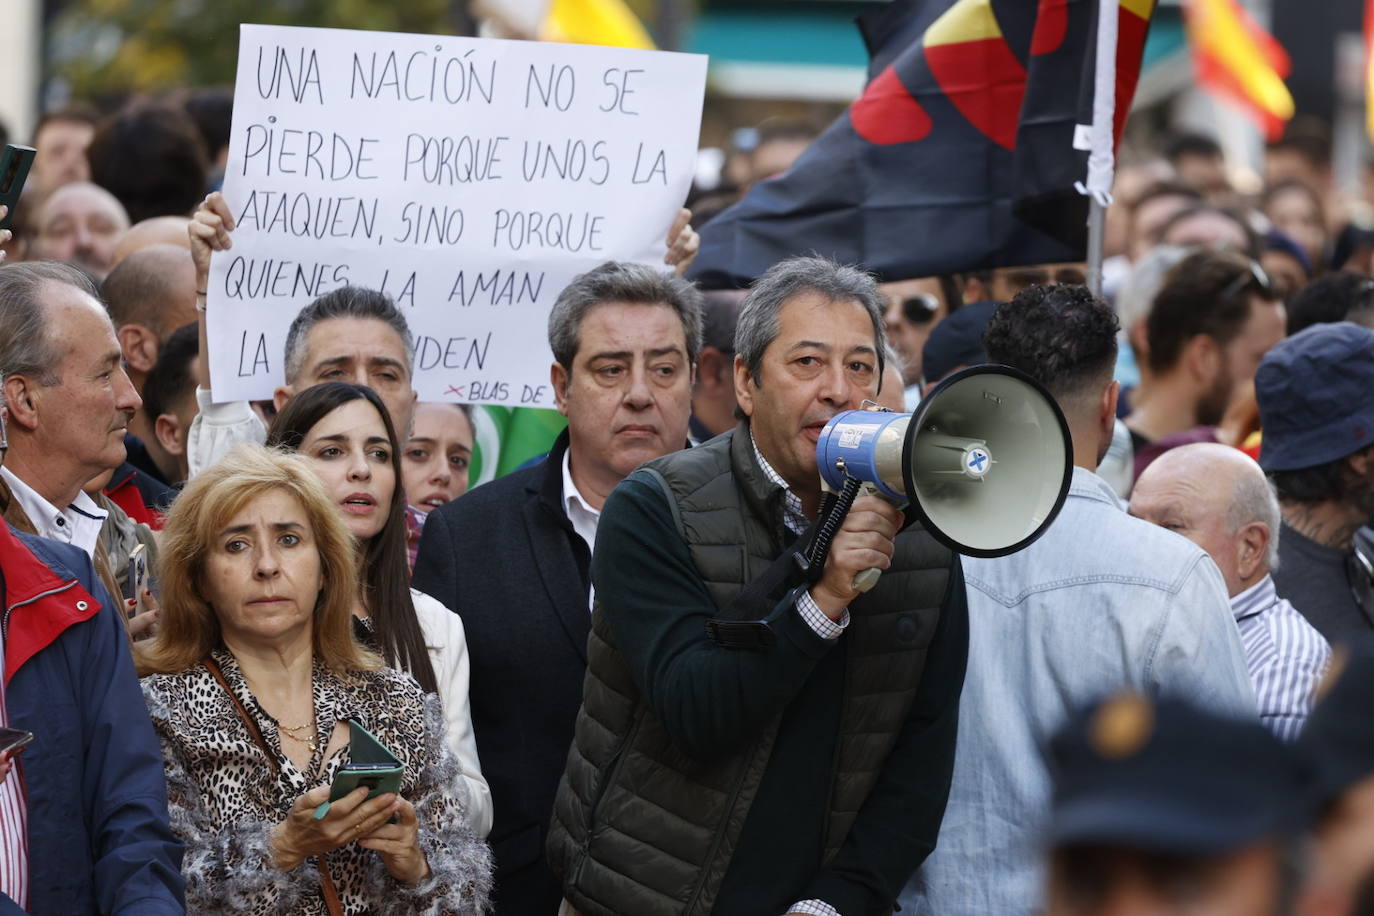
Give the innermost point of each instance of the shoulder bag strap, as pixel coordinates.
(327, 889)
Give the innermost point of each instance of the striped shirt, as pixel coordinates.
(14, 822)
(1285, 654)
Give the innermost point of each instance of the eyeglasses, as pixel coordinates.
(1254, 275)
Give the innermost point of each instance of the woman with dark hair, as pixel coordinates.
(346, 433)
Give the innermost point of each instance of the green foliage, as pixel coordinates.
(109, 47)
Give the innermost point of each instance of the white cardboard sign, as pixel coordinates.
(468, 178)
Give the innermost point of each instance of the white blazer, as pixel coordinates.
(448, 653)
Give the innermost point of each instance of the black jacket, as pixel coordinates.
(506, 558)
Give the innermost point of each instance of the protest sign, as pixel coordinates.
(469, 179)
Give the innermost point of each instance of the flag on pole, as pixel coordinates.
(959, 155)
(595, 22)
(1241, 62)
(1369, 68)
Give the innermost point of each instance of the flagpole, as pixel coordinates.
(1097, 233)
(1099, 139)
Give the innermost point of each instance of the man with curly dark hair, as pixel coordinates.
(1101, 601)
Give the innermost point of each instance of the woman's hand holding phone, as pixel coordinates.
(399, 845)
(302, 835)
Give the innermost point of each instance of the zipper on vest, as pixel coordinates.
(720, 834)
(835, 758)
(611, 779)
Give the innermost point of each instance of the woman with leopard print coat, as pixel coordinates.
(251, 681)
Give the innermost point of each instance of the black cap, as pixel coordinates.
(957, 341)
(1339, 734)
(1162, 776)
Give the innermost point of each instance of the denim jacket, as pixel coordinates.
(1101, 601)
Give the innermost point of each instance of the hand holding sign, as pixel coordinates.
(467, 179)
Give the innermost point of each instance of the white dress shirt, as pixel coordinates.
(583, 517)
(77, 524)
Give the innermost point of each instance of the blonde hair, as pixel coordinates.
(188, 629)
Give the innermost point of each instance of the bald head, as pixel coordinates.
(1218, 498)
(157, 230)
(79, 223)
(154, 287)
(150, 294)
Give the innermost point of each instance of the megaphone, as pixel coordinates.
(985, 461)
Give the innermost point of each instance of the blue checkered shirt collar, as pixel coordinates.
(792, 515)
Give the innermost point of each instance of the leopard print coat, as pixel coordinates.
(225, 798)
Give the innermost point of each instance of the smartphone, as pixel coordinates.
(14, 171)
(377, 778)
(13, 740)
(137, 582)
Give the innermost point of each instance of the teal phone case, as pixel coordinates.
(368, 759)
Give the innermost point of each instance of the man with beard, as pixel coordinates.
(1318, 418)
(1210, 325)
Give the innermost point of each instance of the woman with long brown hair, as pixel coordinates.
(346, 434)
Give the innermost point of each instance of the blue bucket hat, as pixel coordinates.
(1316, 396)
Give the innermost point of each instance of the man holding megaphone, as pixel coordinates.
(757, 735)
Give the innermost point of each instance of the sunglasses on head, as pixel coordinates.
(1255, 276)
(920, 309)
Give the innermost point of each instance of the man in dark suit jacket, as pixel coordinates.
(512, 557)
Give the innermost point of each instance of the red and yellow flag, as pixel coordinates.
(1369, 68)
(1240, 61)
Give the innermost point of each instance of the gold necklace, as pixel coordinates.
(312, 742)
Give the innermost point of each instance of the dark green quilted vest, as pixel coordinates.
(640, 828)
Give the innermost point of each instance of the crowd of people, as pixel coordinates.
(636, 676)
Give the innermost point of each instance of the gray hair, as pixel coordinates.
(620, 281)
(758, 314)
(27, 347)
(345, 302)
(1144, 282)
(1254, 499)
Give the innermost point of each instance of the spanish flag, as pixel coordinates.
(1240, 61)
(960, 154)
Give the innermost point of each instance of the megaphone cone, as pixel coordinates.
(985, 461)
